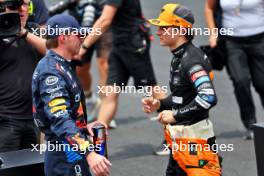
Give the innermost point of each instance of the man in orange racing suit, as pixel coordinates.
(184, 114)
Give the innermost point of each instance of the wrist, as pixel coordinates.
(90, 155)
(158, 104)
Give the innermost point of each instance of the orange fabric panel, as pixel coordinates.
(200, 162)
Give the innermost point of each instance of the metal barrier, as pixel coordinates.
(22, 163)
(259, 146)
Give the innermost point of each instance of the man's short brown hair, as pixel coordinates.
(52, 43)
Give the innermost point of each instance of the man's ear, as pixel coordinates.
(61, 38)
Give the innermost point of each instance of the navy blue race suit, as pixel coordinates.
(59, 112)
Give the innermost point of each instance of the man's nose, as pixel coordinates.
(159, 32)
(23, 7)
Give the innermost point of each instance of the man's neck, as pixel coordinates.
(63, 53)
(178, 43)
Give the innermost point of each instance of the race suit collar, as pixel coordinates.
(178, 52)
(57, 57)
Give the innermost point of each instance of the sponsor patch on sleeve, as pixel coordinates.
(177, 100)
(198, 74)
(195, 68)
(51, 80)
(56, 102)
(58, 108)
(201, 80)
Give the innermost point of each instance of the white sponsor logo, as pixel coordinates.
(205, 57)
(58, 87)
(207, 91)
(202, 103)
(74, 85)
(78, 170)
(70, 76)
(204, 85)
(55, 95)
(177, 100)
(77, 97)
(51, 80)
(188, 109)
(60, 59)
(35, 74)
(175, 112)
(60, 113)
(176, 80)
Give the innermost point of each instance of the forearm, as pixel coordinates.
(209, 13)
(166, 104)
(102, 24)
(189, 111)
(38, 42)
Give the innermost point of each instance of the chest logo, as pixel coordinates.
(51, 80)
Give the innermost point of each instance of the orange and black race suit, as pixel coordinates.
(192, 95)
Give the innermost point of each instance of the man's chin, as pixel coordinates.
(76, 56)
(163, 44)
(23, 21)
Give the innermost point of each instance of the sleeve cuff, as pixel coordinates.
(161, 105)
(87, 153)
(165, 104)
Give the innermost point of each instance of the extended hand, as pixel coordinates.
(166, 117)
(99, 165)
(150, 104)
(91, 125)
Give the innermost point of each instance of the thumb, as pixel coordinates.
(90, 130)
(154, 101)
(146, 100)
(160, 116)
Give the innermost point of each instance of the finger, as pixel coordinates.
(148, 100)
(89, 127)
(95, 171)
(105, 168)
(147, 111)
(106, 127)
(147, 107)
(165, 119)
(143, 101)
(107, 162)
(106, 132)
(144, 110)
(103, 123)
(160, 117)
(101, 168)
(155, 118)
(99, 171)
(154, 101)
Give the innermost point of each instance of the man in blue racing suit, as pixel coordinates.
(58, 106)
